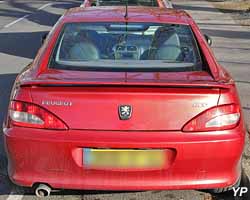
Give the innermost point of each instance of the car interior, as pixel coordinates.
(173, 43)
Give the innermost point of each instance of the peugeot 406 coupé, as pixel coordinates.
(125, 99)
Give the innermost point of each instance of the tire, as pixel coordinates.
(226, 189)
(245, 182)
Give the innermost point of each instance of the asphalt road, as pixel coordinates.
(23, 22)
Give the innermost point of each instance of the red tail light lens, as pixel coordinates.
(222, 117)
(33, 116)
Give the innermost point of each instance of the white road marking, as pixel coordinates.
(44, 6)
(25, 16)
(16, 21)
(13, 196)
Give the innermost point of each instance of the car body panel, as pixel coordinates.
(153, 108)
(202, 161)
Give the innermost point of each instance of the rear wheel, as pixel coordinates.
(221, 190)
(245, 182)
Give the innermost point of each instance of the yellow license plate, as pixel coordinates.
(123, 158)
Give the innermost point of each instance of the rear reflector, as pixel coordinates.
(222, 117)
(30, 115)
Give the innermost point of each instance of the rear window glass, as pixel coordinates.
(124, 2)
(126, 47)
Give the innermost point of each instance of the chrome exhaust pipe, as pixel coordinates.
(42, 190)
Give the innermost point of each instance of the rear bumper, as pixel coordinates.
(200, 160)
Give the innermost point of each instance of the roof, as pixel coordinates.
(135, 14)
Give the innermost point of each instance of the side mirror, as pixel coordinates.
(209, 40)
(44, 37)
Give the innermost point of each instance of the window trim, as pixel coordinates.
(198, 48)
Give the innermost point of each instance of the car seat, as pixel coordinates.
(165, 45)
(84, 48)
(170, 49)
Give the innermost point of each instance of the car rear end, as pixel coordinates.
(134, 117)
(58, 154)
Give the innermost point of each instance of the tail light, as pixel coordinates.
(33, 116)
(222, 117)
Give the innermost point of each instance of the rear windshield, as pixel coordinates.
(126, 47)
(124, 2)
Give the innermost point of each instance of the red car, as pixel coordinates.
(124, 99)
(153, 3)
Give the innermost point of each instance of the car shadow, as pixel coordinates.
(25, 44)
(6, 82)
(41, 17)
(21, 44)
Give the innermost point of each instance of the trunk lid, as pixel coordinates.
(157, 104)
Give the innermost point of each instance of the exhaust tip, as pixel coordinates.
(42, 190)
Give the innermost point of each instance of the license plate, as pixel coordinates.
(123, 158)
